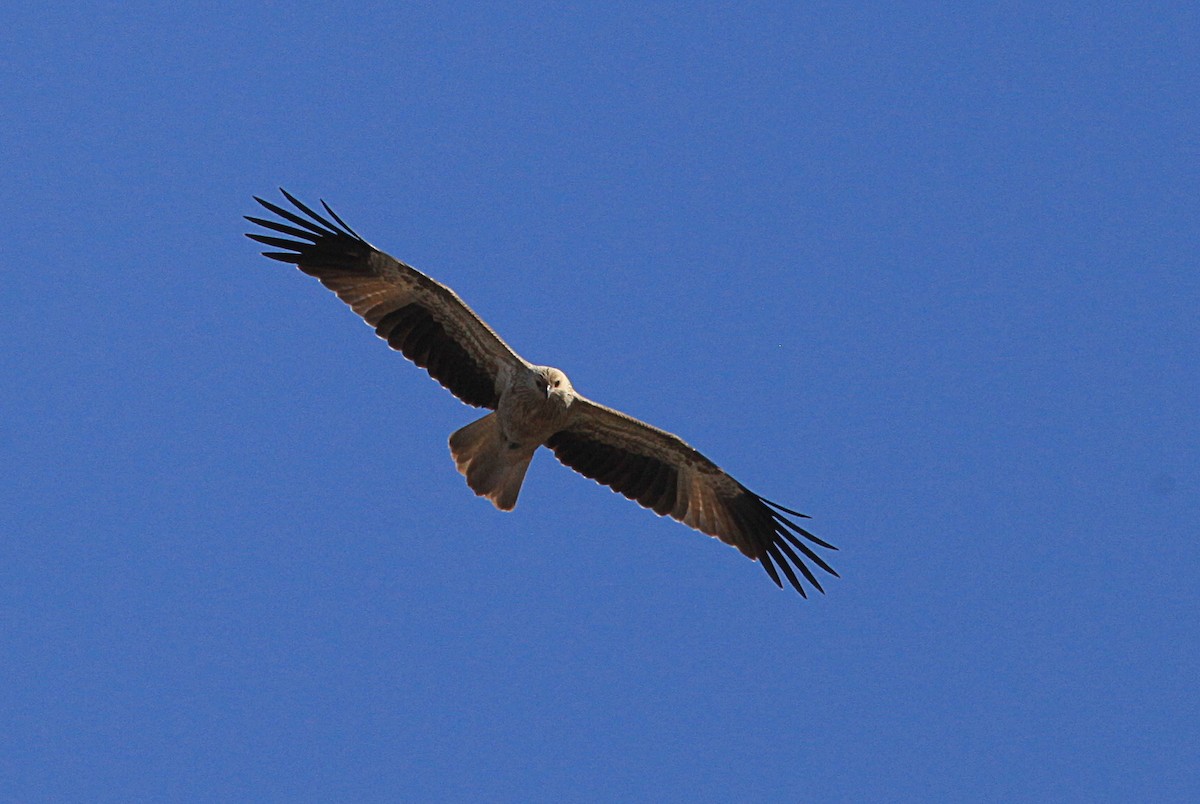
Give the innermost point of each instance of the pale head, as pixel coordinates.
(552, 382)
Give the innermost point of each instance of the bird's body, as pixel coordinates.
(533, 406)
(494, 452)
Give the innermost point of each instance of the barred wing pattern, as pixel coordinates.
(660, 471)
(421, 318)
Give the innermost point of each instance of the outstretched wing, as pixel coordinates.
(661, 472)
(421, 318)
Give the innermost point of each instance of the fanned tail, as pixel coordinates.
(492, 469)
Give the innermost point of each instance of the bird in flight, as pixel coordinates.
(532, 406)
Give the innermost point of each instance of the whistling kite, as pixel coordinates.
(534, 405)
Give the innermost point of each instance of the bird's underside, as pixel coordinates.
(533, 406)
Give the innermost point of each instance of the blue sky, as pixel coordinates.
(927, 274)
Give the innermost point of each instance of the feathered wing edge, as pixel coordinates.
(660, 471)
(778, 551)
(417, 316)
(301, 254)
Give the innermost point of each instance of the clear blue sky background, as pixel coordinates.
(927, 274)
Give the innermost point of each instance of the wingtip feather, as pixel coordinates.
(343, 224)
(773, 549)
(765, 560)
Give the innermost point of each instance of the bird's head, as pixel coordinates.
(553, 383)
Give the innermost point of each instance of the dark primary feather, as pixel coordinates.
(401, 314)
(754, 525)
(323, 248)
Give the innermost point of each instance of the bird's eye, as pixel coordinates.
(556, 383)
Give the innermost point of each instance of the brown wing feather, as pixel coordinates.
(660, 471)
(420, 318)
